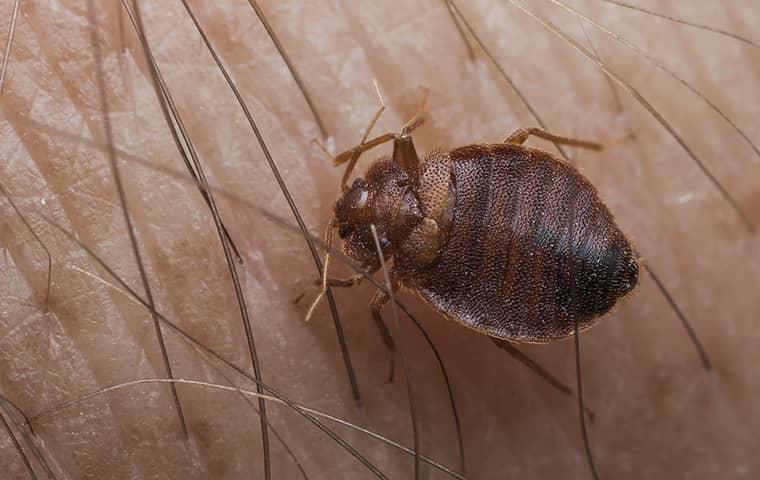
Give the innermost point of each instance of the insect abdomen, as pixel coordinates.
(531, 247)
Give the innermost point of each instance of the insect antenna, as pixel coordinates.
(291, 203)
(706, 363)
(648, 106)
(685, 22)
(402, 352)
(105, 113)
(213, 353)
(581, 410)
(291, 68)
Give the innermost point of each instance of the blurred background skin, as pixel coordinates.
(658, 414)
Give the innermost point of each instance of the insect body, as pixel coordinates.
(502, 238)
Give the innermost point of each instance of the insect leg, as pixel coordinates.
(334, 282)
(403, 148)
(519, 137)
(323, 290)
(345, 282)
(378, 301)
(538, 370)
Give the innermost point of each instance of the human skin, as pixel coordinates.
(658, 413)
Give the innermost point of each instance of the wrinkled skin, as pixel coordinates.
(658, 414)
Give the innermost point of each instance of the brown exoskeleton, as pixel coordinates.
(503, 238)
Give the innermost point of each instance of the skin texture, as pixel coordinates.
(658, 414)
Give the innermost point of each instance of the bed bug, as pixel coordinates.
(503, 238)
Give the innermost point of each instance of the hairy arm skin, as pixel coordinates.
(658, 414)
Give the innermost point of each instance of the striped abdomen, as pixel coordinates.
(530, 249)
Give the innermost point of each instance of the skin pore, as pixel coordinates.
(658, 414)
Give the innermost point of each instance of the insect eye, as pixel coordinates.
(361, 202)
(358, 182)
(343, 231)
